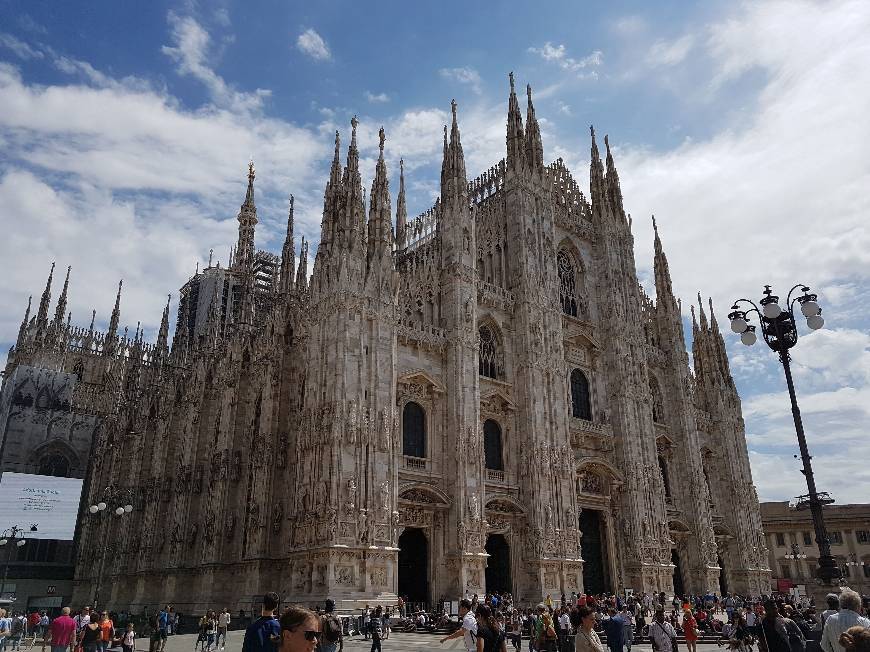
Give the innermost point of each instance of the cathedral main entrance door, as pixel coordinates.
(414, 565)
(498, 566)
(592, 549)
(679, 587)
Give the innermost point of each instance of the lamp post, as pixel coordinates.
(123, 498)
(796, 552)
(12, 537)
(779, 328)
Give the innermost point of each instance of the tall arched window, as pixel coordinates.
(491, 357)
(492, 445)
(567, 284)
(581, 407)
(413, 430)
(657, 401)
(666, 479)
(54, 464)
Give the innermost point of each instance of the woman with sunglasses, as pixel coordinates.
(300, 630)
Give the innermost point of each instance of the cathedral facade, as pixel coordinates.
(479, 398)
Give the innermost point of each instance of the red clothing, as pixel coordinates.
(62, 630)
(690, 629)
(106, 627)
(34, 619)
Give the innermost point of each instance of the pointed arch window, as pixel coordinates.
(492, 445)
(413, 430)
(567, 283)
(491, 363)
(658, 404)
(54, 464)
(581, 407)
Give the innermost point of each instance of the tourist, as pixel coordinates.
(90, 638)
(547, 638)
(128, 641)
(298, 630)
(586, 638)
(662, 634)
(516, 634)
(331, 639)
(833, 602)
(627, 626)
(264, 634)
(838, 623)
(564, 623)
(5, 626)
(690, 630)
(772, 631)
(614, 627)
(376, 629)
(468, 630)
(107, 632)
(222, 625)
(385, 623)
(490, 637)
(366, 616)
(856, 639)
(210, 630)
(740, 637)
(61, 633)
(162, 627)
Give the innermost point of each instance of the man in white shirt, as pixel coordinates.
(751, 618)
(836, 624)
(662, 633)
(223, 623)
(469, 627)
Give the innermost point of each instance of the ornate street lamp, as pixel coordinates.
(779, 328)
(796, 552)
(12, 536)
(124, 499)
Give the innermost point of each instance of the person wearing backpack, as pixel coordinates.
(18, 630)
(332, 638)
(376, 629)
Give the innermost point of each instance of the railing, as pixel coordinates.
(494, 475)
(416, 463)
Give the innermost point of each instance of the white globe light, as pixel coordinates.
(3, 542)
(21, 543)
(738, 325)
(128, 508)
(815, 322)
(772, 310)
(119, 511)
(810, 308)
(93, 509)
(101, 506)
(748, 338)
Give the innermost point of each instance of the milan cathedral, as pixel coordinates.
(479, 398)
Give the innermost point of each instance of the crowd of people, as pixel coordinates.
(602, 623)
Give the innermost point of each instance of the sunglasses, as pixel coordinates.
(311, 635)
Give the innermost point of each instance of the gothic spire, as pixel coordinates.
(401, 209)
(302, 271)
(60, 311)
(42, 314)
(454, 183)
(534, 146)
(596, 174)
(704, 326)
(351, 184)
(247, 222)
(380, 226)
(613, 189)
(662, 273)
(288, 253)
(515, 138)
(163, 333)
(22, 330)
(179, 340)
(331, 197)
(116, 315)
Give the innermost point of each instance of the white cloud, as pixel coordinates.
(670, 53)
(564, 109)
(463, 75)
(378, 98)
(311, 43)
(21, 49)
(559, 54)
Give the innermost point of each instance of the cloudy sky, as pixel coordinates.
(125, 132)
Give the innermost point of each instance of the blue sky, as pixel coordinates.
(125, 132)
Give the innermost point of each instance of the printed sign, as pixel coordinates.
(49, 503)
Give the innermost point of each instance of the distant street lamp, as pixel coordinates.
(12, 535)
(779, 328)
(796, 552)
(124, 499)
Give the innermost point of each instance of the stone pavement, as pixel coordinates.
(398, 642)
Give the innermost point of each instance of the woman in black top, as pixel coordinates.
(490, 638)
(90, 636)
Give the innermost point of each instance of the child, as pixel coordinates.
(128, 643)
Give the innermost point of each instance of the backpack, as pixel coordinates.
(331, 628)
(17, 626)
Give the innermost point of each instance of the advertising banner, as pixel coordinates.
(49, 503)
